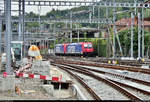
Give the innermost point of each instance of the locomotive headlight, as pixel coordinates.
(85, 45)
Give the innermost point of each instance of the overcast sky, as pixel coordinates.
(44, 9)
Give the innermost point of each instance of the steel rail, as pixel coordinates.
(92, 93)
(128, 78)
(112, 84)
(133, 69)
(135, 63)
(128, 86)
(104, 72)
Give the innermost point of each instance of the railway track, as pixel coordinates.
(135, 63)
(138, 91)
(112, 74)
(118, 75)
(122, 90)
(92, 93)
(117, 67)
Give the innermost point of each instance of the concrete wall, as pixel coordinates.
(78, 92)
(41, 67)
(7, 83)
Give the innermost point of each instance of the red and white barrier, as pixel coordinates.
(44, 77)
(38, 76)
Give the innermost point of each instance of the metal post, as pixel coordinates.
(108, 40)
(39, 11)
(93, 8)
(131, 35)
(90, 15)
(54, 45)
(142, 32)
(98, 44)
(23, 15)
(30, 42)
(93, 12)
(114, 27)
(8, 30)
(139, 36)
(40, 44)
(0, 33)
(44, 47)
(78, 35)
(99, 32)
(135, 1)
(66, 25)
(5, 33)
(107, 12)
(54, 28)
(119, 43)
(71, 27)
(19, 29)
(98, 17)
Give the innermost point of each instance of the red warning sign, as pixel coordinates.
(55, 78)
(4, 74)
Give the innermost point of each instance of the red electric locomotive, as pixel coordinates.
(82, 48)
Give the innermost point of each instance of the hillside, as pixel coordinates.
(84, 13)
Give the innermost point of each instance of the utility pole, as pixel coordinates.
(39, 11)
(119, 43)
(8, 32)
(66, 23)
(107, 12)
(108, 34)
(50, 24)
(0, 32)
(71, 27)
(143, 32)
(93, 9)
(90, 14)
(78, 35)
(77, 29)
(131, 35)
(23, 24)
(5, 33)
(114, 30)
(98, 16)
(98, 29)
(54, 28)
(19, 27)
(139, 36)
(66, 32)
(135, 1)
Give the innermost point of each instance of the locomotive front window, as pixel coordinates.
(88, 46)
(85, 45)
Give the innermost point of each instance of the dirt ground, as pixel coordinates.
(30, 89)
